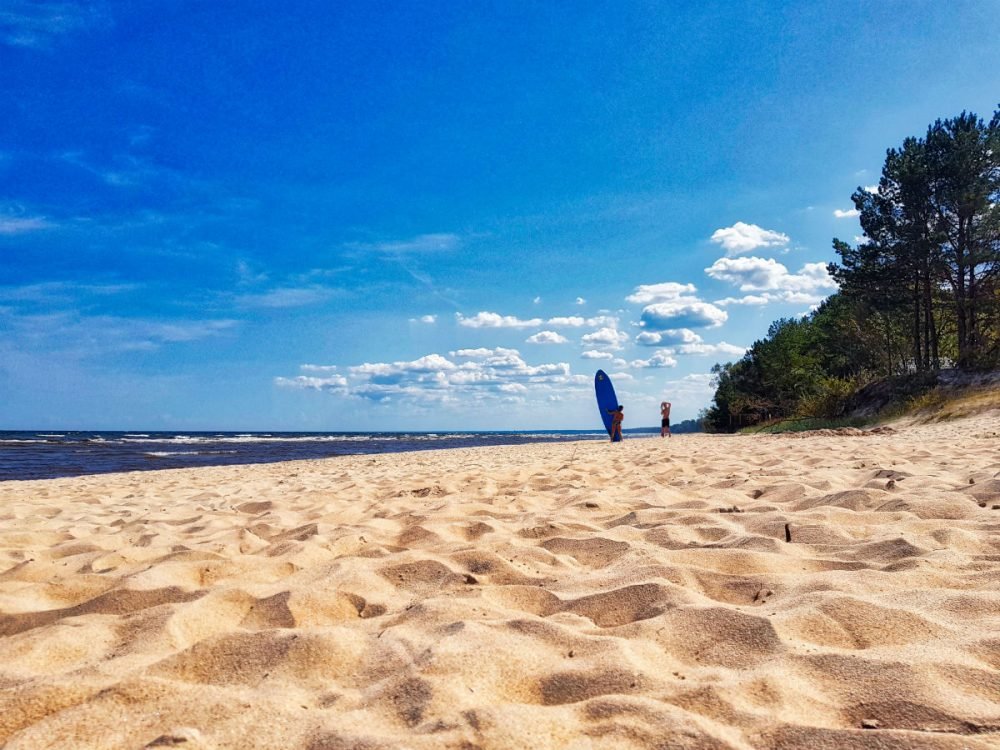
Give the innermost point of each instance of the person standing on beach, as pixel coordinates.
(617, 415)
(665, 419)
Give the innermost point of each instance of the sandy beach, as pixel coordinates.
(838, 589)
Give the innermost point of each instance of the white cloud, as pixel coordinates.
(702, 349)
(427, 319)
(749, 299)
(850, 213)
(659, 359)
(537, 300)
(576, 321)
(671, 306)
(744, 238)
(486, 319)
(594, 354)
(873, 189)
(547, 337)
(468, 375)
(665, 292)
(768, 275)
(608, 337)
(334, 384)
(669, 337)
(581, 301)
(682, 313)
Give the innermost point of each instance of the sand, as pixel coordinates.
(568, 595)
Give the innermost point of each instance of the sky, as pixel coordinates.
(437, 215)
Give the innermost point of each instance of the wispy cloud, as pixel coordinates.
(67, 293)
(77, 335)
(16, 222)
(283, 297)
(848, 214)
(421, 243)
(38, 24)
(743, 238)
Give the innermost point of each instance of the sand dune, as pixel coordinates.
(832, 590)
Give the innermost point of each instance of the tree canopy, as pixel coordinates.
(921, 290)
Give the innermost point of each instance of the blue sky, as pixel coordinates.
(355, 216)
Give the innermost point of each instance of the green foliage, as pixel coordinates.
(921, 291)
(831, 400)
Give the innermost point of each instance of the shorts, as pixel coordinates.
(664, 423)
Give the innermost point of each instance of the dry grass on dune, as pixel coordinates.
(839, 590)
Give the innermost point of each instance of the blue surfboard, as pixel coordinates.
(607, 401)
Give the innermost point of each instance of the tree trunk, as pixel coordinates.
(930, 329)
(918, 355)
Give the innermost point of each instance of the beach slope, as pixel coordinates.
(838, 589)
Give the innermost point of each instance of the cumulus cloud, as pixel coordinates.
(672, 306)
(748, 299)
(659, 359)
(669, 337)
(577, 321)
(466, 374)
(547, 337)
(644, 294)
(743, 238)
(427, 319)
(873, 189)
(841, 214)
(595, 354)
(608, 337)
(702, 349)
(486, 319)
(332, 384)
(682, 313)
(753, 274)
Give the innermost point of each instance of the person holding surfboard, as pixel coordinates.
(608, 406)
(665, 419)
(617, 415)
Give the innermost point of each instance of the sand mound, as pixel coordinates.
(698, 592)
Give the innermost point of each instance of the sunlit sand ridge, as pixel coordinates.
(839, 590)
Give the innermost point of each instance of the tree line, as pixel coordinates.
(919, 292)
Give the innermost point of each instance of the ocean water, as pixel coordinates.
(44, 455)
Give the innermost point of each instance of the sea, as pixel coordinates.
(45, 455)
